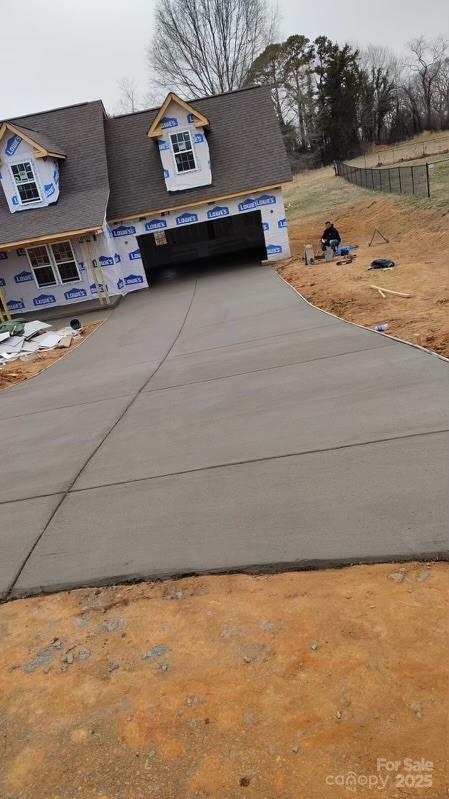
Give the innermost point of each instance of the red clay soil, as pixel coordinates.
(419, 245)
(222, 687)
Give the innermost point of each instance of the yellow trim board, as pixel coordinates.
(39, 151)
(209, 201)
(155, 130)
(48, 239)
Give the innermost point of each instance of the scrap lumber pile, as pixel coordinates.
(20, 340)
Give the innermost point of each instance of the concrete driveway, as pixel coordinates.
(218, 422)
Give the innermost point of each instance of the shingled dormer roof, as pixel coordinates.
(79, 133)
(41, 143)
(199, 119)
(245, 144)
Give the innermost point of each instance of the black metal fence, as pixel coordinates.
(394, 180)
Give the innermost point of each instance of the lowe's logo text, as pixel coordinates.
(120, 284)
(190, 118)
(247, 205)
(44, 299)
(131, 279)
(15, 305)
(93, 288)
(56, 175)
(169, 122)
(272, 249)
(155, 224)
(20, 251)
(282, 223)
(106, 260)
(265, 225)
(198, 138)
(219, 210)
(2, 282)
(122, 230)
(163, 145)
(75, 294)
(23, 277)
(186, 219)
(15, 200)
(135, 255)
(12, 144)
(49, 189)
(266, 199)
(3, 256)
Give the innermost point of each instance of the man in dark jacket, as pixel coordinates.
(330, 237)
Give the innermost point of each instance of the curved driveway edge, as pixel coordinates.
(231, 427)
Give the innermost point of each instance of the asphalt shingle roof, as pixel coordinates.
(84, 185)
(246, 150)
(42, 139)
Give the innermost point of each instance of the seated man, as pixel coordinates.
(330, 237)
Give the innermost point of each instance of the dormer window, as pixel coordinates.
(30, 168)
(179, 130)
(25, 180)
(183, 151)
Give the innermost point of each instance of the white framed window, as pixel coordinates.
(26, 183)
(183, 151)
(65, 262)
(42, 266)
(54, 264)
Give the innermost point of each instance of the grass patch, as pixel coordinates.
(320, 191)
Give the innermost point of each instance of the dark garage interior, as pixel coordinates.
(242, 233)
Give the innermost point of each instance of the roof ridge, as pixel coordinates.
(191, 101)
(51, 111)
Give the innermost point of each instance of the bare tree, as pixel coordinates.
(207, 46)
(428, 63)
(129, 97)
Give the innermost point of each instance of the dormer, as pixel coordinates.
(29, 168)
(180, 133)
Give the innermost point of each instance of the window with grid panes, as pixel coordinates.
(65, 262)
(183, 151)
(42, 267)
(26, 182)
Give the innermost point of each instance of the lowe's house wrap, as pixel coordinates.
(96, 203)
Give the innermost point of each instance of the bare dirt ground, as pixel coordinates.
(18, 371)
(418, 234)
(228, 686)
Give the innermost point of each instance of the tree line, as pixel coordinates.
(331, 100)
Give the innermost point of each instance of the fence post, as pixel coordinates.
(413, 179)
(428, 179)
(389, 179)
(400, 179)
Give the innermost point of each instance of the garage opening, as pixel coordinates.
(188, 244)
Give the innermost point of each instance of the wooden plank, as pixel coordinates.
(390, 291)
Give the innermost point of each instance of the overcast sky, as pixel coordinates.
(58, 52)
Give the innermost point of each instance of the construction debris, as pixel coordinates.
(20, 339)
